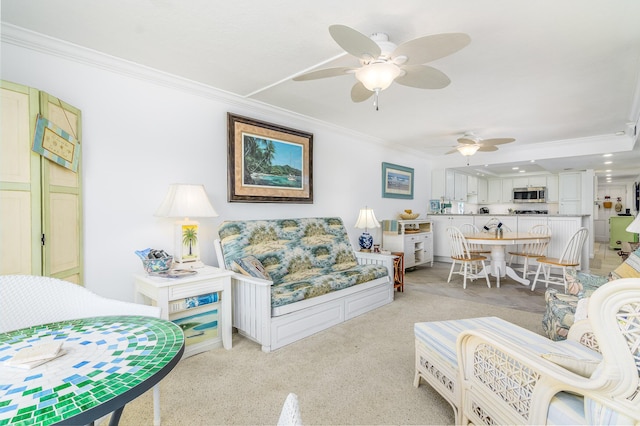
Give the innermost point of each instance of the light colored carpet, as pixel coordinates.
(360, 372)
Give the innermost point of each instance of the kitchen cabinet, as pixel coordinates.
(41, 215)
(618, 231)
(526, 181)
(483, 191)
(472, 185)
(507, 191)
(455, 186)
(494, 191)
(440, 223)
(412, 237)
(570, 193)
(552, 189)
(438, 184)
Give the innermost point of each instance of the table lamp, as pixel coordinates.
(634, 226)
(186, 201)
(366, 219)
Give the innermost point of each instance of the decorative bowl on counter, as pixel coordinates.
(409, 216)
(154, 266)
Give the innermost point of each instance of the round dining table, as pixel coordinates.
(106, 362)
(498, 244)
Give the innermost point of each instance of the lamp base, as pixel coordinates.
(366, 242)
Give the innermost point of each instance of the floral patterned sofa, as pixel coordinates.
(295, 277)
(562, 310)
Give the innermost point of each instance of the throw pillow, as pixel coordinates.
(630, 268)
(582, 367)
(250, 266)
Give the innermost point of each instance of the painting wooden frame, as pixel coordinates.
(397, 181)
(268, 163)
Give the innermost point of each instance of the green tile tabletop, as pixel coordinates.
(108, 361)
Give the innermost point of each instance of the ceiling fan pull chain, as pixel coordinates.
(375, 98)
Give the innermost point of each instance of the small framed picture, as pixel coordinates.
(434, 205)
(397, 181)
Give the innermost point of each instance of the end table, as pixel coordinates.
(168, 293)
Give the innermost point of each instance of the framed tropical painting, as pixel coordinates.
(268, 163)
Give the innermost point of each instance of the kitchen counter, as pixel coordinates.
(508, 214)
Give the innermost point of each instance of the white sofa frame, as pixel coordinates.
(273, 328)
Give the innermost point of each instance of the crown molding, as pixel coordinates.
(27, 39)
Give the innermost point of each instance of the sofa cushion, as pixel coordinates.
(630, 268)
(582, 367)
(559, 314)
(317, 285)
(582, 284)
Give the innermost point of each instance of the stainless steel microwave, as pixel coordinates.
(529, 195)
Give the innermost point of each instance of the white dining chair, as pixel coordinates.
(532, 250)
(570, 258)
(461, 254)
(28, 300)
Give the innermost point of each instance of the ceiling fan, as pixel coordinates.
(469, 144)
(382, 62)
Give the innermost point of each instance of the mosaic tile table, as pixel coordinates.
(109, 361)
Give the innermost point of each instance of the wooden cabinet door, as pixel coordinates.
(40, 201)
(20, 251)
(62, 201)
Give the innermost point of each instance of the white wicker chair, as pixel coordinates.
(290, 414)
(27, 300)
(507, 383)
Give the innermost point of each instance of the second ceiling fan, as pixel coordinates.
(382, 62)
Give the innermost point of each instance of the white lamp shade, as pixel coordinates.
(634, 226)
(377, 75)
(468, 150)
(183, 200)
(367, 219)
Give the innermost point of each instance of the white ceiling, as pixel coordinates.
(559, 76)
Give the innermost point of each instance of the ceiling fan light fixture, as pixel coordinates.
(468, 150)
(378, 76)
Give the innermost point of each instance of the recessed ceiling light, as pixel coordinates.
(608, 176)
(533, 161)
(522, 171)
(607, 155)
(608, 162)
(608, 171)
(515, 168)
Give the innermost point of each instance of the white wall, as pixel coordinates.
(141, 134)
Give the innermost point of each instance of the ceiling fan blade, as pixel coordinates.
(487, 148)
(452, 151)
(354, 42)
(431, 47)
(423, 77)
(324, 73)
(359, 93)
(497, 141)
(466, 140)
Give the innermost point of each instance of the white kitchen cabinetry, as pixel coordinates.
(460, 189)
(483, 191)
(507, 190)
(472, 185)
(440, 223)
(537, 181)
(494, 191)
(570, 192)
(412, 237)
(552, 189)
(455, 186)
